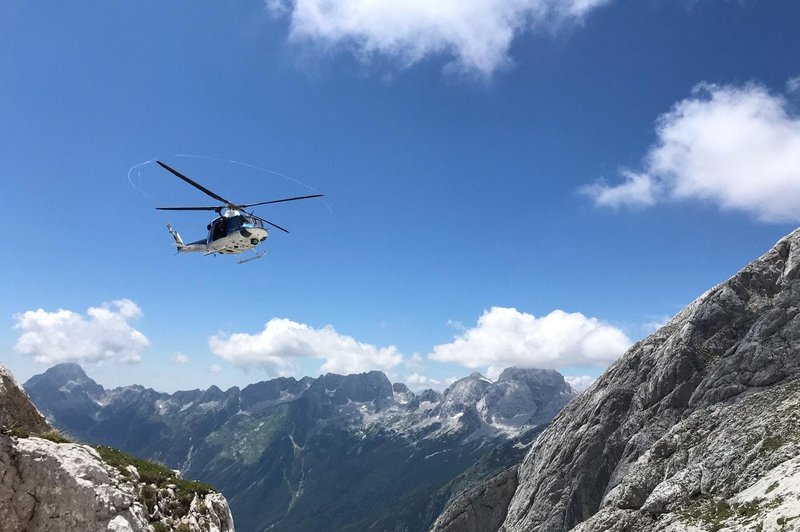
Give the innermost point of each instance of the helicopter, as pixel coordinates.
(234, 231)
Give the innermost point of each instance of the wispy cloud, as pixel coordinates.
(737, 147)
(579, 383)
(180, 358)
(283, 342)
(475, 34)
(506, 337)
(104, 334)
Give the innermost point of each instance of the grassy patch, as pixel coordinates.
(770, 444)
(748, 509)
(161, 527)
(711, 513)
(772, 487)
(53, 435)
(158, 475)
(17, 432)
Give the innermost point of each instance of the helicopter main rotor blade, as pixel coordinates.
(194, 184)
(188, 208)
(268, 222)
(280, 200)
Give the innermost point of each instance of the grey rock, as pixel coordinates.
(632, 445)
(482, 508)
(52, 487)
(16, 410)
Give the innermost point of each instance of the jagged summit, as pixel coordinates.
(640, 450)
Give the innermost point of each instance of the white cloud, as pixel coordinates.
(505, 337)
(476, 34)
(283, 342)
(793, 85)
(105, 334)
(216, 369)
(579, 384)
(416, 381)
(636, 190)
(180, 358)
(735, 147)
(457, 325)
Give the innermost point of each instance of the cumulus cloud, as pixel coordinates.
(581, 383)
(104, 334)
(476, 34)
(283, 342)
(506, 337)
(417, 381)
(734, 147)
(180, 358)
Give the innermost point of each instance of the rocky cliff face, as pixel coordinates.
(695, 426)
(370, 453)
(16, 411)
(48, 484)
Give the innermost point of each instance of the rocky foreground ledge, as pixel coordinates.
(49, 484)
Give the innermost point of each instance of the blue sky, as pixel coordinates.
(500, 186)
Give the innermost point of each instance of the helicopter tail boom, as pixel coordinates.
(194, 246)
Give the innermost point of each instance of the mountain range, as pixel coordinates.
(337, 452)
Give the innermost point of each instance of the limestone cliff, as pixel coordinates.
(695, 427)
(49, 484)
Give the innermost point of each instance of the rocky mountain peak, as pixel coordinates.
(372, 386)
(646, 442)
(69, 376)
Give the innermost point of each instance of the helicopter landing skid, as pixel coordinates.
(256, 257)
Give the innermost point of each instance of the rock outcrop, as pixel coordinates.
(48, 484)
(482, 508)
(688, 427)
(16, 411)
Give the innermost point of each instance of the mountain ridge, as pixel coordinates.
(286, 446)
(621, 455)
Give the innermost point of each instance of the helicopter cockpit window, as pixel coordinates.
(234, 223)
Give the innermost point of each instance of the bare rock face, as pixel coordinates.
(52, 487)
(734, 466)
(682, 425)
(16, 410)
(481, 508)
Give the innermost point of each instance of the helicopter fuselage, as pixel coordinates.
(229, 234)
(234, 231)
(234, 234)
